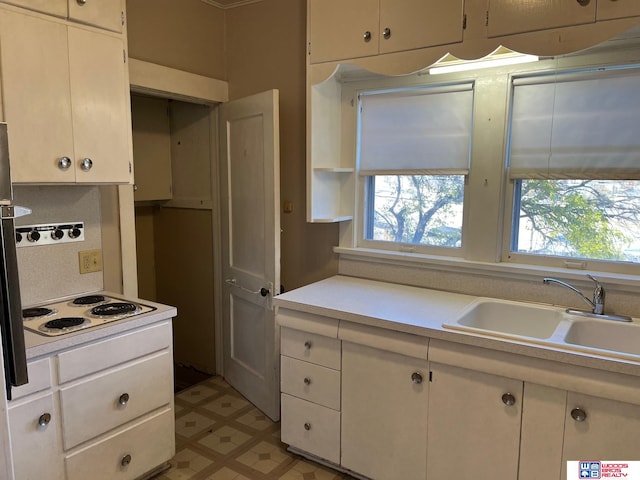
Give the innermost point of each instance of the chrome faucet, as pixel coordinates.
(597, 304)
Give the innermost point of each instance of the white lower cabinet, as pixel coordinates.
(384, 413)
(474, 424)
(100, 410)
(33, 427)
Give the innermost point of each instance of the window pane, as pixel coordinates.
(415, 209)
(596, 219)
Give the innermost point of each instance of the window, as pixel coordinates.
(574, 158)
(414, 151)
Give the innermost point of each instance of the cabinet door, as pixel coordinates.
(34, 440)
(609, 430)
(507, 17)
(610, 9)
(51, 7)
(108, 14)
(338, 29)
(100, 103)
(384, 413)
(409, 24)
(37, 106)
(473, 433)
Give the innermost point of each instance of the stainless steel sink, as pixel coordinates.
(502, 317)
(605, 335)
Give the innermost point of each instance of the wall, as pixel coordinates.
(52, 271)
(183, 34)
(266, 50)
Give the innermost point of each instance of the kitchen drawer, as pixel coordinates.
(310, 382)
(39, 373)
(34, 440)
(92, 407)
(310, 347)
(113, 351)
(311, 428)
(126, 454)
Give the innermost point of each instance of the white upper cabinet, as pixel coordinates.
(506, 17)
(66, 101)
(342, 29)
(107, 14)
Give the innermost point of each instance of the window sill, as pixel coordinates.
(617, 282)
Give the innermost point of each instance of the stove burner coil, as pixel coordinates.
(65, 322)
(88, 300)
(36, 312)
(113, 309)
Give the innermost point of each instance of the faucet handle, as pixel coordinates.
(598, 296)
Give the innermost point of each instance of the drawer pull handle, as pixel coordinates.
(509, 399)
(124, 399)
(416, 377)
(126, 460)
(307, 345)
(578, 415)
(307, 426)
(44, 419)
(307, 381)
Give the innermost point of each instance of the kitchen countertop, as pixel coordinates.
(422, 311)
(40, 345)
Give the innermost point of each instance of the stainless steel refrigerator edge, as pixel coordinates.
(11, 329)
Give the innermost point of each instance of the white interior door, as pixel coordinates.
(250, 226)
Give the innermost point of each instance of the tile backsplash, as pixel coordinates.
(50, 272)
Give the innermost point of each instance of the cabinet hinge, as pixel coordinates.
(486, 18)
(430, 376)
(124, 56)
(308, 48)
(464, 21)
(130, 168)
(122, 17)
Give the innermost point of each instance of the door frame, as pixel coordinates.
(164, 82)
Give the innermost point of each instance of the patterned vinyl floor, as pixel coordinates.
(221, 436)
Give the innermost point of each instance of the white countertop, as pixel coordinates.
(38, 345)
(422, 311)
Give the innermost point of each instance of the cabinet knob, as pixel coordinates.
(307, 426)
(578, 415)
(307, 345)
(367, 36)
(64, 163)
(386, 33)
(307, 381)
(86, 164)
(44, 419)
(126, 460)
(124, 398)
(416, 377)
(81, 2)
(509, 399)
(584, 3)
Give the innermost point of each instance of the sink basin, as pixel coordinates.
(509, 318)
(605, 335)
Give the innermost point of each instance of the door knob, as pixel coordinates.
(509, 399)
(64, 163)
(86, 164)
(578, 414)
(44, 419)
(367, 36)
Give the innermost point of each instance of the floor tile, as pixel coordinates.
(224, 440)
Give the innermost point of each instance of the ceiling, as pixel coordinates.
(229, 3)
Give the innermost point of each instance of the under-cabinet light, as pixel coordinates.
(486, 62)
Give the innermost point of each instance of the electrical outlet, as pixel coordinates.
(90, 261)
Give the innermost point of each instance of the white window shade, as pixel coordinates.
(584, 126)
(424, 131)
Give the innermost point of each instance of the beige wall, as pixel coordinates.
(266, 50)
(183, 34)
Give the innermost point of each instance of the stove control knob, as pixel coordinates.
(33, 236)
(74, 232)
(57, 234)
(18, 237)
